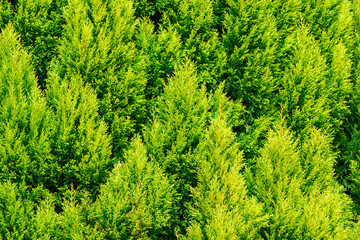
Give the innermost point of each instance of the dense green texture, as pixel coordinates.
(179, 119)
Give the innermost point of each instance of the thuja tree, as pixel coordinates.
(305, 94)
(97, 45)
(39, 24)
(348, 167)
(296, 184)
(73, 222)
(137, 201)
(221, 208)
(25, 122)
(180, 118)
(250, 42)
(276, 182)
(79, 143)
(330, 22)
(15, 213)
(161, 51)
(326, 201)
(194, 20)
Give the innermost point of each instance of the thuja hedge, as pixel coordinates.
(168, 119)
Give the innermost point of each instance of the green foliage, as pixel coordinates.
(161, 52)
(182, 114)
(98, 46)
(137, 200)
(181, 117)
(73, 222)
(202, 82)
(144, 8)
(6, 11)
(305, 95)
(318, 160)
(330, 22)
(276, 183)
(194, 21)
(222, 209)
(39, 24)
(46, 221)
(25, 123)
(299, 190)
(250, 43)
(79, 141)
(15, 213)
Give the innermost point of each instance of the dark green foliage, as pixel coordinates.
(194, 21)
(6, 11)
(152, 8)
(250, 41)
(137, 200)
(222, 209)
(39, 24)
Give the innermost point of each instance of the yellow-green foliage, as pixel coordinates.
(137, 119)
(221, 207)
(25, 123)
(298, 189)
(98, 46)
(137, 201)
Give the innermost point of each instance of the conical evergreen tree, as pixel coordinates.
(162, 51)
(221, 208)
(250, 40)
(180, 118)
(74, 221)
(297, 187)
(97, 45)
(137, 200)
(277, 184)
(15, 213)
(80, 144)
(329, 22)
(305, 95)
(318, 160)
(348, 167)
(74, 224)
(328, 210)
(46, 220)
(25, 123)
